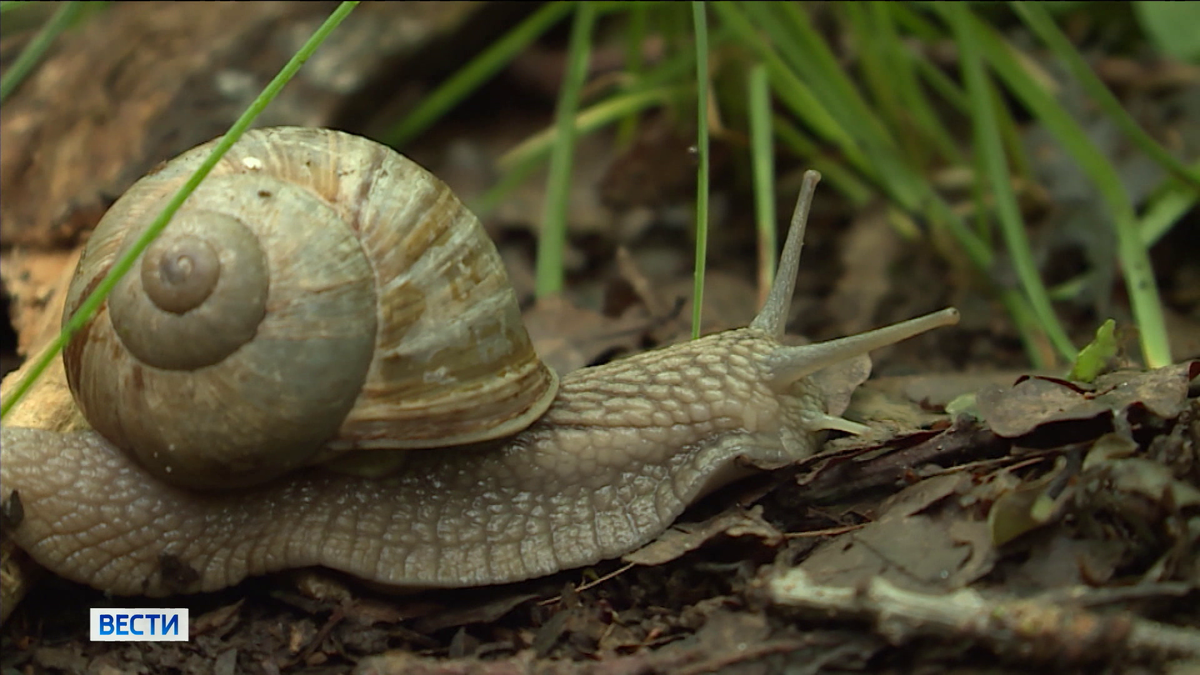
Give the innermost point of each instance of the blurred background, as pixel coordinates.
(1034, 164)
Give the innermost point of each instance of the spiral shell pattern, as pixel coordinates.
(318, 293)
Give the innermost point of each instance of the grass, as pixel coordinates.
(875, 114)
(700, 21)
(554, 219)
(24, 64)
(994, 167)
(762, 157)
(475, 74)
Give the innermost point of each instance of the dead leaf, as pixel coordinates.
(1149, 479)
(1031, 403)
(1162, 391)
(568, 337)
(852, 465)
(1035, 401)
(924, 494)
(37, 284)
(1060, 561)
(686, 537)
(730, 301)
(220, 619)
(1015, 512)
(912, 545)
(869, 248)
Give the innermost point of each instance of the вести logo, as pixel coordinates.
(155, 624)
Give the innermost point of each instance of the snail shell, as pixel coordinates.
(318, 293)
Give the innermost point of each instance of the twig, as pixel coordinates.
(591, 584)
(1030, 628)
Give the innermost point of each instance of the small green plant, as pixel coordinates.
(1095, 357)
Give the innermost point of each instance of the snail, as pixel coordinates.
(437, 452)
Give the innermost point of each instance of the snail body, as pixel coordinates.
(559, 480)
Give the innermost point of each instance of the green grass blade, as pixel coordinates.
(553, 237)
(1134, 258)
(1010, 135)
(1037, 346)
(758, 91)
(519, 163)
(1035, 16)
(1165, 209)
(893, 68)
(673, 21)
(987, 142)
(37, 48)
(1166, 25)
(92, 303)
(635, 37)
(471, 76)
(914, 24)
(934, 207)
(878, 65)
(950, 92)
(834, 172)
(700, 19)
(659, 87)
(790, 89)
(810, 57)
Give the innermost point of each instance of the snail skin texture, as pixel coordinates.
(620, 452)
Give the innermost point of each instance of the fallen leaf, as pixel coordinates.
(568, 337)
(1060, 561)
(913, 544)
(1031, 403)
(686, 537)
(870, 246)
(1013, 513)
(220, 619)
(1035, 401)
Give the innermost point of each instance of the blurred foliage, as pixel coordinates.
(887, 100)
(1172, 27)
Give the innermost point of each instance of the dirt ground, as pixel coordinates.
(1044, 524)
